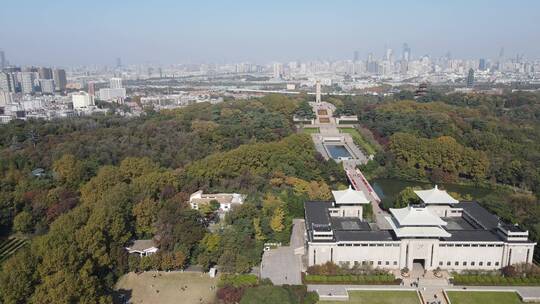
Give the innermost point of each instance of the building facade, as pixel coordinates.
(439, 233)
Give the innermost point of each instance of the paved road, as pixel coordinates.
(283, 265)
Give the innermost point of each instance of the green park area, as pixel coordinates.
(481, 297)
(359, 140)
(311, 130)
(379, 297)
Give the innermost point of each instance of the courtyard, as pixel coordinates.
(167, 287)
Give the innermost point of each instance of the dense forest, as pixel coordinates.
(82, 189)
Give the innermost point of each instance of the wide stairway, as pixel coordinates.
(433, 295)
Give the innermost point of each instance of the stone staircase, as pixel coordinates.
(433, 296)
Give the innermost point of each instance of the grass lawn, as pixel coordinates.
(166, 289)
(481, 297)
(311, 130)
(379, 297)
(359, 140)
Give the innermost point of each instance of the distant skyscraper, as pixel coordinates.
(118, 62)
(115, 83)
(406, 55)
(47, 86)
(6, 83)
(27, 82)
(277, 70)
(482, 64)
(45, 73)
(356, 56)
(60, 79)
(91, 88)
(318, 91)
(470, 78)
(3, 63)
(389, 55)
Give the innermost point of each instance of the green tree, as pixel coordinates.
(145, 213)
(69, 171)
(406, 197)
(18, 278)
(23, 222)
(277, 220)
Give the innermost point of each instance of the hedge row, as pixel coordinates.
(384, 279)
(478, 280)
(238, 280)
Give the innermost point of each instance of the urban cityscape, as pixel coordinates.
(239, 152)
(49, 93)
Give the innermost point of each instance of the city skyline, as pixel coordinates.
(168, 32)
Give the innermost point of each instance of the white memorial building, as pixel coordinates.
(440, 232)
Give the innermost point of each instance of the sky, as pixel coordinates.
(75, 32)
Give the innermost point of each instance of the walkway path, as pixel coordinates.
(356, 178)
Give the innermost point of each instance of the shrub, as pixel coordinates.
(239, 280)
(352, 279)
(229, 294)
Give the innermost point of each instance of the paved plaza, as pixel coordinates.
(283, 265)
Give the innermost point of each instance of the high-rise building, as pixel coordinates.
(27, 82)
(6, 83)
(356, 57)
(115, 83)
(470, 78)
(47, 86)
(389, 55)
(118, 62)
(91, 88)
(482, 64)
(45, 73)
(82, 100)
(6, 98)
(406, 55)
(60, 80)
(277, 70)
(3, 63)
(318, 91)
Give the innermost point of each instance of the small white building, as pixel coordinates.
(142, 247)
(226, 200)
(440, 232)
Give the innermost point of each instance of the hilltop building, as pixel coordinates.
(226, 200)
(440, 232)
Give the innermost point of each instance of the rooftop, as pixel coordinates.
(436, 196)
(141, 245)
(349, 197)
(416, 216)
(479, 214)
(317, 213)
(417, 231)
(349, 223)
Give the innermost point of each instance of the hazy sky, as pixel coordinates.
(62, 32)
